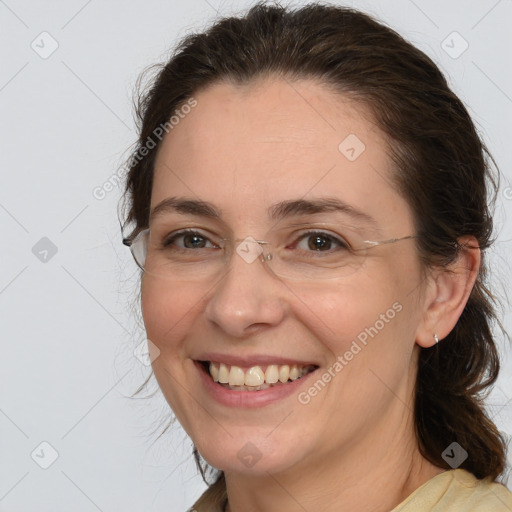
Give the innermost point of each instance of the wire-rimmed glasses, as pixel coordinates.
(312, 254)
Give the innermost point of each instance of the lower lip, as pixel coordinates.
(249, 399)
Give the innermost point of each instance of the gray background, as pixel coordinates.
(68, 334)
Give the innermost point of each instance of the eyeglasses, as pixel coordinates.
(305, 255)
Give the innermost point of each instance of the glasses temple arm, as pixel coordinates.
(389, 241)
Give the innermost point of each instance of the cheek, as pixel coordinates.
(168, 311)
(371, 327)
(342, 313)
(368, 323)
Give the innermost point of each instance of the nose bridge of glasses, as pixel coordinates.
(240, 252)
(250, 249)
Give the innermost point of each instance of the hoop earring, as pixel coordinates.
(436, 338)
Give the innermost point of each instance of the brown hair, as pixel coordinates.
(442, 168)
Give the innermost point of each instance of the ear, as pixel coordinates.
(447, 292)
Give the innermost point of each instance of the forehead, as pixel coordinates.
(245, 147)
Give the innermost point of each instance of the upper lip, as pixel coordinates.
(251, 360)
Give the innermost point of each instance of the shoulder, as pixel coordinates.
(482, 495)
(458, 490)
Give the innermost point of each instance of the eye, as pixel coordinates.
(320, 241)
(188, 239)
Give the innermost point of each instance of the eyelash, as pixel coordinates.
(343, 245)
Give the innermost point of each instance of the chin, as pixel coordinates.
(252, 454)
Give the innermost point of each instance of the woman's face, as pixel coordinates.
(244, 150)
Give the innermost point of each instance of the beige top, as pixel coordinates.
(455, 490)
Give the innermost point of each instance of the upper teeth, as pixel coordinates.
(256, 375)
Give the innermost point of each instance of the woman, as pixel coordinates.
(308, 206)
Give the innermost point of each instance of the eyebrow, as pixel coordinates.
(276, 212)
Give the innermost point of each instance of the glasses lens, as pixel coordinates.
(317, 258)
(186, 255)
(139, 247)
(191, 255)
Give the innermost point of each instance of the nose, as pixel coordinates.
(247, 298)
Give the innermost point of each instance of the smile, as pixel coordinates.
(254, 378)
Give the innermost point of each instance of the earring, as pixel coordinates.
(436, 338)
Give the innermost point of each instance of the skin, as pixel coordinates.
(352, 448)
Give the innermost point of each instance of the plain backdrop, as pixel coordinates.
(67, 285)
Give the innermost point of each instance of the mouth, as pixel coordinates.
(254, 378)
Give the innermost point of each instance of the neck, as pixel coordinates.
(376, 474)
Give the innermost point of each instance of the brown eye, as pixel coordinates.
(188, 240)
(318, 241)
